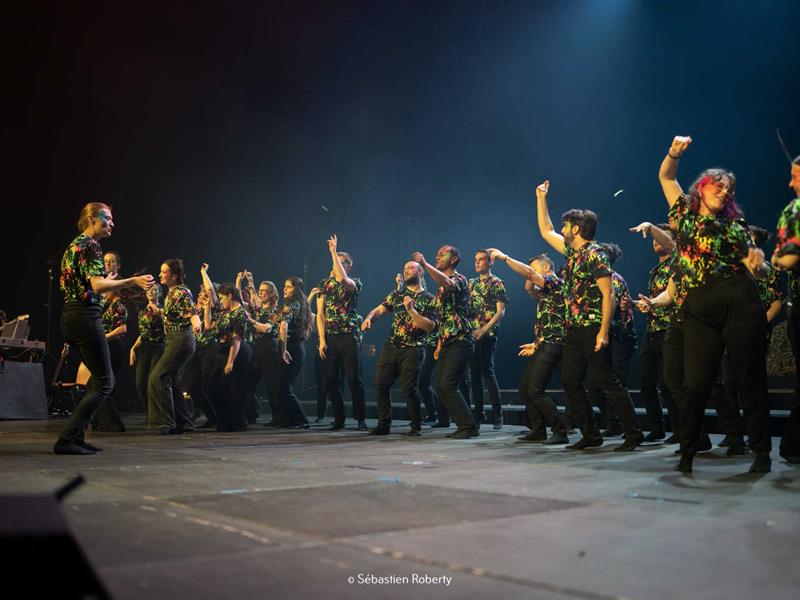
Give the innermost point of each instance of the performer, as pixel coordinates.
(339, 336)
(82, 280)
(546, 349)
(413, 313)
(456, 340)
(787, 257)
(149, 346)
(115, 317)
(167, 410)
(295, 323)
(722, 308)
(590, 306)
(264, 366)
(487, 296)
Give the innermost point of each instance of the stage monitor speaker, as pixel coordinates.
(22, 390)
(41, 557)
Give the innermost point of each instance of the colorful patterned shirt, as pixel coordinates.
(550, 312)
(581, 294)
(209, 335)
(484, 294)
(452, 311)
(115, 314)
(623, 326)
(659, 318)
(404, 334)
(267, 314)
(233, 325)
(708, 245)
(291, 314)
(788, 242)
(768, 289)
(179, 308)
(340, 306)
(151, 326)
(82, 260)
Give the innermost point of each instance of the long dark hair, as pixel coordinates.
(176, 268)
(731, 210)
(300, 296)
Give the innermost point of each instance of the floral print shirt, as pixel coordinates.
(233, 325)
(623, 326)
(208, 335)
(658, 319)
(267, 314)
(340, 306)
(151, 326)
(291, 314)
(452, 308)
(484, 294)
(82, 260)
(403, 333)
(179, 308)
(788, 242)
(115, 314)
(550, 312)
(768, 288)
(708, 245)
(581, 294)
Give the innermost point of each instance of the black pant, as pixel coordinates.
(166, 410)
(651, 380)
(727, 403)
(107, 417)
(147, 355)
(453, 361)
(726, 313)
(231, 397)
(672, 368)
(621, 353)
(202, 372)
(425, 389)
(481, 366)
(578, 355)
(82, 328)
(790, 442)
(286, 375)
(264, 368)
(537, 373)
(319, 379)
(406, 364)
(344, 350)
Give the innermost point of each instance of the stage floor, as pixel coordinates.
(277, 514)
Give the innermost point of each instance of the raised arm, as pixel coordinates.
(338, 270)
(518, 267)
(669, 169)
(212, 293)
(439, 277)
(549, 233)
(659, 235)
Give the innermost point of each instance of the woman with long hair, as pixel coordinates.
(265, 348)
(149, 346)
(115, 317)
(167, 410)
(82, 281)
(203, 369)
(721, 305)
(295, 322)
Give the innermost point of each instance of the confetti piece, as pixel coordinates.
(617, 193)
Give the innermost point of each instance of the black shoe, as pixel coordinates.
(728, 440)
(414, 433)
(613, 431)
(556, 439)
(533, 436)
(88, 446)
(584, 443)
(684, 465)
(379, 430)
(66, 447)
(299, 426)
(336, 427)
(671, 440)
(465, 434)
(737, 447)
(362, 426)
(632, 440)
(654, 436)
(440, 425)
(761, 464)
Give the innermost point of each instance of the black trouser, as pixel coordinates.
(82, 328)
(621, 353)
(727, 404)
(201, 376)
(284, 384)
(453, 362)
(425, 389)
(726, 313)
(344, 350)
(231, 398)
(481, 366)
(790, 442)
(147, 355)
(162, 390)
(406, 364)
(651, 380)
(537, 373)
(107, 416)
(319, 379)
(264, 368)
(672, 368)
(579, 354)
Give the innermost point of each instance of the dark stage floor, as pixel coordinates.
(275, 514)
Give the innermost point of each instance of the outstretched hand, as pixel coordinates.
(643, 304)
(643, 228)
(144, 281)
